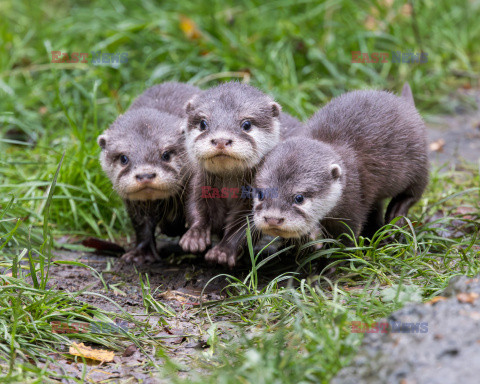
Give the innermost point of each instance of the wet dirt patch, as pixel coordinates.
(454, 139)
(178, 284)
(445, 350)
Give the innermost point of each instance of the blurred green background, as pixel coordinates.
(298, 51)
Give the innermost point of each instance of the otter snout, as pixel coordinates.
(221, 143)
(145, 177)
(273, 221)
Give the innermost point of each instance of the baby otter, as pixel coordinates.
(143, 154)
(365, 147)
(230, 128)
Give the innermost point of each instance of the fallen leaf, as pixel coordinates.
(90, 353)
(130, 350)
(436, 299)
(181, 297)
(467, 297)
(370, 23)
(464, 211)
(189, 28)
(386, 3)
(437, 145)
(406, 10)
(474, 315)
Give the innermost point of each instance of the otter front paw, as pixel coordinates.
(139, 257)
(196, 239)
(316, 235)
(222, 255)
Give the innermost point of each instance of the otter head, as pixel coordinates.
(143, 154)
(307, 178)
(231, 127)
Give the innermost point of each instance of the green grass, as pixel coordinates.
(289, 329)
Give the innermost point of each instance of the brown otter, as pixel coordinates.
(230, 128)
(365, 147)
(143, 154)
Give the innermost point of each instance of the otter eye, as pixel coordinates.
(260, 195)
(166, 156)
(298, 199)
(124, 160)
(246, 125)
(203, 125)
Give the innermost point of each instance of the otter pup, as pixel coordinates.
(365, 147)
(143, 154)
(230, 128)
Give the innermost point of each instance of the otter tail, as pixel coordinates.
(407, 94)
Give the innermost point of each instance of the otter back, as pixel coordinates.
(364, 147)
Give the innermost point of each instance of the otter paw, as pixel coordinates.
(196, 239)
(221, 255)
(139, 257)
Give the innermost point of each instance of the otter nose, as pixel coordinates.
(221, 143)
(145, 177)
(274, 221)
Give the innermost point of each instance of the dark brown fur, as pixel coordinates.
(378, 141)
(225, 108)
(151, 127)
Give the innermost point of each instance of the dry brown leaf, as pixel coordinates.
(129, 351)
(386, 3)
(370, 23)
(90, 353)
(406, 10)
(470, 281)
(437, 145)
(474, 315)
(189, 28)
(179, 296)
(436, 299)
(465, 210)
(467, 297)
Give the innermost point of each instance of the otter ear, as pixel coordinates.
(183, 127)
(335, 171)
(190, 106)
(102, 141)
(276, 109)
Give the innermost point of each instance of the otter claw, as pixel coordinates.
(221, 256)
(196, 239)
(139, 257)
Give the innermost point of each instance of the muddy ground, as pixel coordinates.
(181, 282)
(446, 349)
(180, 288)
(181, 279)
(454, 139)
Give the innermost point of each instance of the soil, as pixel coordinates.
(447, 351)
(178, 281)
(455, 139)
